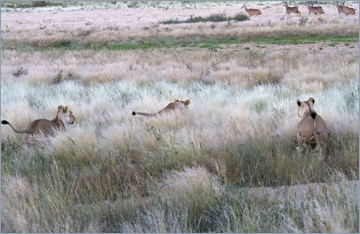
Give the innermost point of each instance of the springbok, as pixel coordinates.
(347, 10)
(291, 9)
(315, 10)
(251, 12)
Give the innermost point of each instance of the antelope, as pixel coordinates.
(291, 9)
(313, 9)
(347, 10)
(339, 7)
(252, 12)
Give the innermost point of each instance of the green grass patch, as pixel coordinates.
(303, 39)
(172, 42)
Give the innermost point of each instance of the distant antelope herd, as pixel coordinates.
(310, 5)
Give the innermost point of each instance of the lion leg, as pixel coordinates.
(30, 139)
(307, 146)
(321, 146)
(318, 146)
(300, 148)
(27, 139)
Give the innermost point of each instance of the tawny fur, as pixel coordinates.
(251, 12)
(176, 105)
(347, 10)
(45, 127)
(291, 9)
(315, 10)
(312, 131)
(339, 7)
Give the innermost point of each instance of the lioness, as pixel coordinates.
(46, 127)
(172, 106)
(312, 129)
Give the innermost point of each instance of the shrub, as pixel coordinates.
(20, 71)
(195, 19)
(39, 4)
(60, 77)
(240, 17)
(211, 18)
(60, 44)
(172, 21)
(217, 18)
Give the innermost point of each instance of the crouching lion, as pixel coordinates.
(312, 130)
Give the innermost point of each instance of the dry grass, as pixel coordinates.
(41, 28)
(231, 65)
(191, 171)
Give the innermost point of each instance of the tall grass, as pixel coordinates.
(198, 206)
(226, 164)
(111, 159)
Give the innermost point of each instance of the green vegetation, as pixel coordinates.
(31, 4)
(167, 42)
(303, 39)
(211, 18)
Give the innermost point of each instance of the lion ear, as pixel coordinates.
(312, 100)
(176, 100)
(298, 102)
(60, 107)
(65, 109)
(187, 102)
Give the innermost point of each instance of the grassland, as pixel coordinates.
(227, 164)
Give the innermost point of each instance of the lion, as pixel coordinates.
(312, 129)
(176, 105)
(44, 127)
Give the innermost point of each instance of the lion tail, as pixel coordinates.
(313, 115)
(143, 113)
(15, 130)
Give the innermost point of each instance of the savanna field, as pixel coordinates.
(228, 163)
